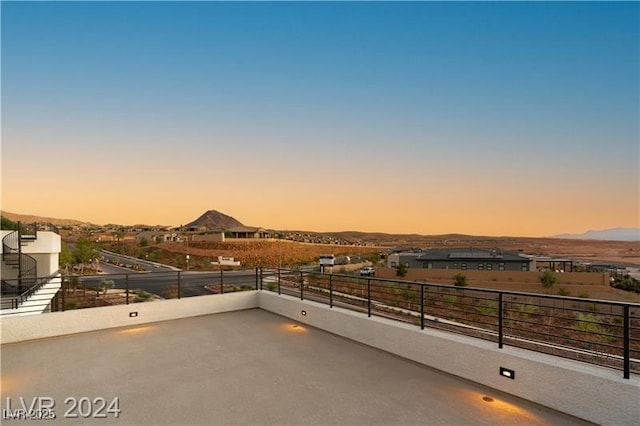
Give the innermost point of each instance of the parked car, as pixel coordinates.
(367, 271)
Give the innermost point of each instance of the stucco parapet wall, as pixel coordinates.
(23, 328)
(593, 393)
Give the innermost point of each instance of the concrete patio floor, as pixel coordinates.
(247, 368)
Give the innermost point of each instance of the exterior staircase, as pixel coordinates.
(13, 257)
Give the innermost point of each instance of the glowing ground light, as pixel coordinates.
(135, 330)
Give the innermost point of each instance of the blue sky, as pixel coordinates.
(525, 113)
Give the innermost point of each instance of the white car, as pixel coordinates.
(367, 271)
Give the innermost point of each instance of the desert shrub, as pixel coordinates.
(548, 279)
(627, 283)
(449, 298)
(588, 323)
(401, 270)
(584, 295)
(563, 292)
(490, 309)
(528, 309)
(141, 296)
(105, 285)
(460, 280)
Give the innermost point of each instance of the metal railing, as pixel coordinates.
(13, 257)
(103, 290)
(599, 332)
(18, 298)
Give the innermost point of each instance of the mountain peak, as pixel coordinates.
(214, 219)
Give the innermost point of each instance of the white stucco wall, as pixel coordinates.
(21, 328)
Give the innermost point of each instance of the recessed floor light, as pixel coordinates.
(487, 399)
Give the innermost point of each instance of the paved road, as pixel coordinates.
(128, 260)
(191, 283)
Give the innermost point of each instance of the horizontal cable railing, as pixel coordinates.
(600, 332)
(604, 333)
(88, 291)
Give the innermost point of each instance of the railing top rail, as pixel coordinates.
(168, 272)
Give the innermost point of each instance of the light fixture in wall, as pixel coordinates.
(304, 313)
(133, 314)
(510, 374)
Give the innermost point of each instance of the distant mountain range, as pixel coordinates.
(213, 219)
(24, 218)
(611, 234)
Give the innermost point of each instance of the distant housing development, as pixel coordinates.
(470, 258)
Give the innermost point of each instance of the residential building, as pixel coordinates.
(463, 259)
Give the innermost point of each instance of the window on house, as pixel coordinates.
(480, 266)
(489, 267)
(463, 266)
(501, 266)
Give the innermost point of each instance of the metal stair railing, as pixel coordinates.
(12, 256)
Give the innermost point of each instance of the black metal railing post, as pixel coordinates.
(261, 279)
(126, 286)
(421, 306)
(221, 280)
(369, 297)
(64, 286)
(330, 291)
(627, 342)
(278, 281)
(257, 283)
(301, 286)
(19, 257)
(500, 321)
(179, 284)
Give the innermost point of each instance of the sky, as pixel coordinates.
(486, 118)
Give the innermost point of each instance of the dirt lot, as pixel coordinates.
(623, 252)
(250, 254)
